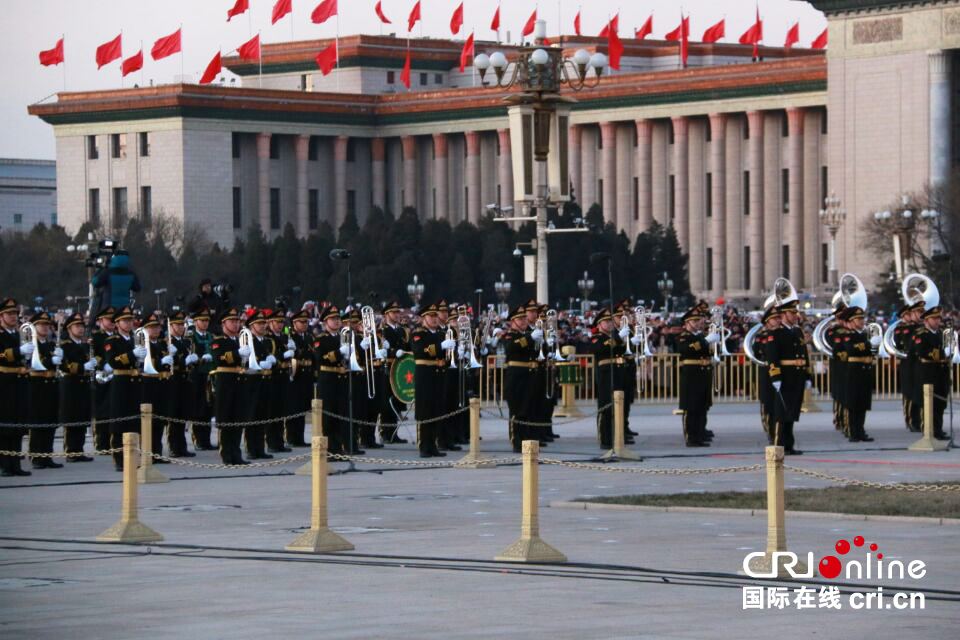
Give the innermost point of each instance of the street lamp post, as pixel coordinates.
(415, 291)
(665, 285)
(832, 216)
(585, 284)
(502, 288)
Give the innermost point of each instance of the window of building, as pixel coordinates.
(146, 204)
(746, 268)
(746, 128)
(423, 79)
(670, 134)
(672, 198)
(708, 193)
(466, 198)
(53, 218)
(823, 123)
(433, 201)
(237, 216)
(438, 78)
(636, 198)
(709, 267)
(824, 263)
(351, 202)
(144, 144)
(118, 145)
(18, 218)
(600, 193)
(235, 144)
(599, 140)
(499, 192)
(746, 193)
(274, 208)
(313, 148)
(708, 132)
(94, 204)
(274, 147)
(303, 82)
(784, 126)
(119, 207)
(785, 190)
(390, 77)
(92, 151)
(823, 185)
(313, 208)
(351, 150)
(785, 258)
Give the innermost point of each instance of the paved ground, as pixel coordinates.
(425, 539)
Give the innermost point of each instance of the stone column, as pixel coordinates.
(659, 171)
(624, 136)
(263, 181)
(301, 149)
(339, 180)
(505, 168)
(718, 200)
(574, 135)
(755, 224)
(735, 205)
(441, 178)
(473, 175)
(939, 128)
(681, 181)
(588, 168)
(608, 170)
(795, 166)
(697, 239)
(811, 198)
(378, 171)
(410, 172)
(644, 148)
(772, 205)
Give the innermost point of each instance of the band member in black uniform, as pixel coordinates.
(361, 404)
(537, 408)
(429, 347)
(154, 387)
(859, 372)
(255, 384)
(76, 374)
(200, 379)
(331, 359)
(396, 340)
(284, 349)
(933, 367)
(230, 362)
(789, 375)
(447, 429)
(903, 339)
(13, 359)
(833, 336)
(101, 395)
(123, 363)
(628, 370)
(765, 393)
(696, 376)
(300, 390)
(43, 392)
(519, 377)
(608, 347)
(179, 400)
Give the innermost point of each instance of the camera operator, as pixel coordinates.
(117, 280)
(212, 298)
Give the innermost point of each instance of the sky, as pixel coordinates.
(30, 26)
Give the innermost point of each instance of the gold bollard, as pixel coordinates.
(147, 474)
(568, 392)
(129, 528)
(530, 548)
(809, 406)
(474, 459)
(316, 429)
(927, 442)
(319, 539)
(776, 528)
(619, 451)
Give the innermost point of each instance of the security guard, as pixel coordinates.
(300, 390)
(330, 358)
(765, 393)
(396, 340)
(76, 376)
(903, 339)
(229, 360)
(790, 374)
(859, 371)
(608, 346)
(123, 360)
(101, 397)
(933, 367)
(200, 380)
(179, 387)
(696, 377)
(430, 370)
(43, 392)
(12, 387)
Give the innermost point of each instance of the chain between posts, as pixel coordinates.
(645, 471)
(56, 425)
(73, 454)
(529, 423)
(227, 425)
(369, 423)
(897, 486)
(279, 462)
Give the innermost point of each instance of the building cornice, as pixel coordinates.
(839, 7)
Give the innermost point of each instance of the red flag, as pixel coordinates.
(327, 59)
(793, 36)
(212, 70)
(615, 23)
(250, 50)
(821, 41)
(282, 8)
(405, 74)
(576, 24)
(52, 56)
(614, 46)
(645, 30)
(714, 33)
(754, 35)
(380, 15)
(240, 7)
(457, 20)
(166, 46)
(133, 63)
(495, 25)
(528, 28)
(324, 11)
(466, 55)
(108, 52)
(684, 40)
(414, 16)
(674, 35)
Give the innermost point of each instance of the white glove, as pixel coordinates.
(448, 344)
(713, 337)
(624, 333)
(776, 385)
(191, 359)
(550, 341)
(497, 332)
(140, 352)
(537, 334)
(636, 340)
(385, 343)
(244, 351)
(172, 350)
(90, 365)
(460, 352)
(289, 353)
(207, 357)
(26, 349)
(266, 364)
(291, 345)
(56, 360)
(58, 353)
(167, 360)
(874, 341)
(345, 350)
(365, 344)
(107, 369)
(272, 359)
(381, 354)
(401, 353)
(809, 384)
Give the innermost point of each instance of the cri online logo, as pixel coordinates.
(831, 566)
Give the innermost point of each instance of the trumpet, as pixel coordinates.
(246, 340)
(643, 331)
(465, 339)
(625, 322)
(346, 338)
(28, 333)
(552, 335)
(452, 351)
(716, 326)
(539, 325)
(369, 322)
(141, 339)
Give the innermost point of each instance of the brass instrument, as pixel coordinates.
(346, 338)
(642, 330)
(369, 324)
(552, 334)
(539, 325)
(28, 333)
(452, 351)
(915, 287)
(951, 343)
(247, 340)
(783, 292)
(625, 323)
(716, 326)
(141, 339)
(465, 339)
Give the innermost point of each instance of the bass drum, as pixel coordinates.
(401, 378)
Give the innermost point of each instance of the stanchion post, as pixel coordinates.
(319, 539)
(619, 451)
(147, 474)
(809, 406)
(129, 528)
(474, 459)
(316, 429)
(776, 527)
(927, 442)
(530, 547)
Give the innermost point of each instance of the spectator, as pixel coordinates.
(209, 299)
(117, 281)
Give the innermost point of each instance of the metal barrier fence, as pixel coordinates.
(658, 379)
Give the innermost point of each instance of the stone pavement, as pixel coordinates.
(425, 539)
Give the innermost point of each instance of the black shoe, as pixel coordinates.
(453, 447)
(793, 452)
(357, 452)
(866, 438)
(426, 455)
(160, 461)
(439, 454)
(262, 456)
(629, 441)
(708, 433)
(697, 443)
(50, 464)
(397, 441)
(240, 462)
(281, 450)
(182, 454)
(557, 435)
(373, 445)
(941, 436)
(206, 447)
(21, 472)
(118, 467)
(80, 459)
(628, 432)
(298, 444)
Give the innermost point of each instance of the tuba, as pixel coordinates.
(783, 292)
(369, 322)
(915, 287)
(28, 333)
(748, 344)
(141, 339)
(246, 340)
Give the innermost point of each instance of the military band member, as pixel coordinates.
(396, 340)
(284, 349)
(903, 339)
(43, 392)
(123, 360)
(630, 366)
(229, 359)
(76, 373)
(519, 377)
(179, 400)
(608, 348)
(430, 371)
(154, 386)
(932, 367)
(300, 391)
(12, 387)
(696, 376)
(790, 375)
(833, 337)
(255, 384)
(858, 364)
(201, 380)
(765, 393)
(331, 361)
(447, 430)
(101, 396)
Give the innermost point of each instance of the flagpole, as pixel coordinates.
(63, 37)
(260, 60)
(121, 58)
(142, 83)
(181, 52)
(336, 49)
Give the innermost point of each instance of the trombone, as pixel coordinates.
(369, 322)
